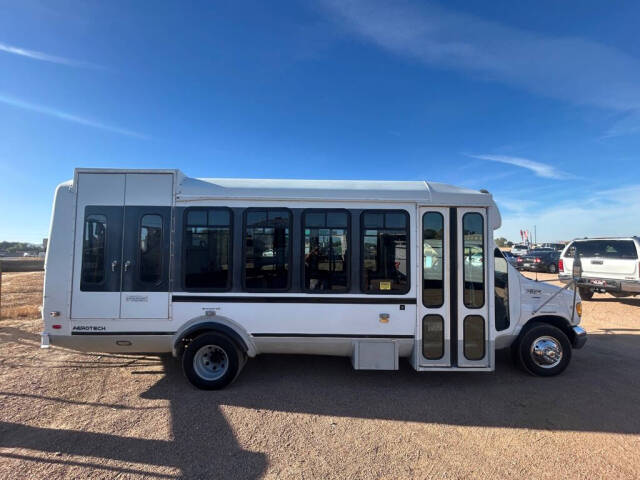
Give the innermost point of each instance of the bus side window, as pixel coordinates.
(267, 249)
(326, 238)
(384, 257)
(432, 260)
(94, 250)
(207, 248)
(473, 267)
(501, 291)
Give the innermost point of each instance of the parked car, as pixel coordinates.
(539, 260)
(608, 265)
(555, 246)
(520, 249)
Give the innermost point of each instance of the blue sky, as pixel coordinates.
(537, 102)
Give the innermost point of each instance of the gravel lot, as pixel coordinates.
(71, 415)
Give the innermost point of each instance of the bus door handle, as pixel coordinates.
(127, 264)
(114, 265)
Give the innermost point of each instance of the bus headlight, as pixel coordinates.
(579, 309)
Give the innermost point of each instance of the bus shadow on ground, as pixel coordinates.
(596, 394)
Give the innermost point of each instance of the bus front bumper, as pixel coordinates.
(579, 337)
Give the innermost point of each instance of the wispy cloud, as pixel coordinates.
(52, 112)
(45, 57)
(571, 69)
(605, 212)
(627, 125)
(540, 169)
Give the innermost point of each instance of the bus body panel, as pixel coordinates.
(126, 316)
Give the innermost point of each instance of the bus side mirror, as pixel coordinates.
(577, 267)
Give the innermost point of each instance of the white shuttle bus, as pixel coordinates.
(219, 270)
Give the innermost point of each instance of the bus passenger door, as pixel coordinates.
(145, 267)
(433, 332)
(146, 246)
(472, 260)
(98, 246)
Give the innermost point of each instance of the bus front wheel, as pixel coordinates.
(543, 350)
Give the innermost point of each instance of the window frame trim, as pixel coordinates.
(443, 344)
(497, 250)
(361, 250)
(139, 253)
(243, 274)
(183, 255)
(444, 262)
(348, 256)
(104, 255)
(484, 261)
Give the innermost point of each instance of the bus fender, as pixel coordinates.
(221, 324)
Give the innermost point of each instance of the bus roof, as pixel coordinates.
(353, 190)
(420, 192)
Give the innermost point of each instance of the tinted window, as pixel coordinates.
(94, 250)
(267, 249)
(474, 337)
(501, 291)
(432, 337)
(473, 257)
(151, 251)
(325, 250)
(207, 248)
(432, 260)
(571, 250)
(385, 236)
(623, 249)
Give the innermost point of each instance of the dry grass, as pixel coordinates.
(28, 264)
(21, 295)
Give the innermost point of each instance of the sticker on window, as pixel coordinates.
(385, 285)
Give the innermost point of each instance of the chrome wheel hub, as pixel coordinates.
(211, 362)
(546, 352)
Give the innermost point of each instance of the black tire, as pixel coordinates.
(585, 293)
(543, 334)
(553, 268)
(209, 344)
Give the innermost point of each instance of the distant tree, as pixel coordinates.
(509, 244)
(13, 247)
(501, 242)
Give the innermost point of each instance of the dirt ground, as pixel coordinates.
(72, 415)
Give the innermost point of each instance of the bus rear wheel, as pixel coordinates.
(211, 361)
(544, 350)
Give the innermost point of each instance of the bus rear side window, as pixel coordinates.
(385, 261)
(151, 251)
(267, 249)
(207, 248)
(94, 250)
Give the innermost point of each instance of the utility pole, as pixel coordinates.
(535, 235)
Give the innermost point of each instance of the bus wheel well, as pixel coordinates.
(558, 322)
(209, 327)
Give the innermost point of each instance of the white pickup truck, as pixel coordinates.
(608, 265)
